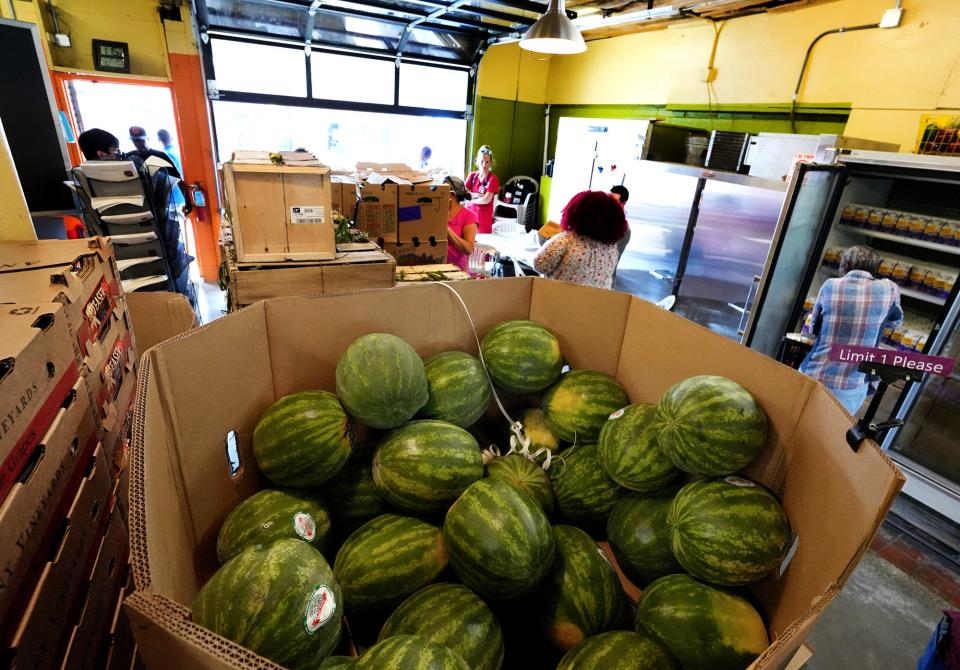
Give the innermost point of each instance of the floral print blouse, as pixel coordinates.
(578, 259)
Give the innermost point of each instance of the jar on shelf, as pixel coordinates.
(906, 223)
(875, 218)
(889, 222)
(932, 230)
(861, 214)
(848, 215)
(918, 273)
(886, 267)
(901, 272)
(950, 233)
(918, 224)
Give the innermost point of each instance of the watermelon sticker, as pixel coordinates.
(305, 526)
(617, 414)
(320, 609)
(739, 481)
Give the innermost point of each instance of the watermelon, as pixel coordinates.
(454, 616)
(381, 380)
(582, 594)
(270, 515)
(425, 465)
(387, 559)
(618, 650)
(640, 538)
(278, 600)
(500, 542)
(536, 428)
(524, 475)
(710, 425)
(582, 489)
(728, 531)
(409, 652)
(303, 439)
(578, 405)
(337, 662)
(705, 628)
(352, 496)
(459, 388)
(629, 452)
(522, 356)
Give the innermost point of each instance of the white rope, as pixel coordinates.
(519, 442)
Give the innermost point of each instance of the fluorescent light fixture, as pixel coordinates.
(554, 33)
(599, 21)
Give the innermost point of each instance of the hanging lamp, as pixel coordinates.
(554, 33)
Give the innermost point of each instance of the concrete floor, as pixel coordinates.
(882, 620)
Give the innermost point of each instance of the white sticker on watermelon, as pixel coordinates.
(739, 481)
(305, 526)
(320, 609)
(617, 414)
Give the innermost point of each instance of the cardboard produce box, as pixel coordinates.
(279, 212)
(182, 487)
(377, 211)
(158, 316)
(422, 212)
(343, 195)
(36, 504)
(38, 368)
(418, 253)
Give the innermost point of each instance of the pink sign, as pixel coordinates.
(910, 360)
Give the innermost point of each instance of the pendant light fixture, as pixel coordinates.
(554, 32)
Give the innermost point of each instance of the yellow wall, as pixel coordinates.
(889, 77)
(135, 22)
(505, 66)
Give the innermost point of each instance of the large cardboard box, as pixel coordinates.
(44, 630)
(36, 504)
(158, 316)
(422, 212)
(182, 487)
(38, 368)
(343, 195)
(279, 212)
(417, 252)
(377, 211)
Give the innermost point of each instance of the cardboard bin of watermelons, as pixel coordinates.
(217, 380)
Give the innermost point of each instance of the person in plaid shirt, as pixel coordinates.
(853, 309)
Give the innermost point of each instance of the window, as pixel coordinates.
(433, 87)
(349, 78)
(259, 68)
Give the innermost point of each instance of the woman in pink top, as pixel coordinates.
(483, 186)
(461, 225)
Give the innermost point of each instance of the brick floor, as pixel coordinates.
(917, 561)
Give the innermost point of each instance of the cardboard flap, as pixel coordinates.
(17, 256)
(158, 316)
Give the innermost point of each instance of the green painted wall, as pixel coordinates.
(514, 130)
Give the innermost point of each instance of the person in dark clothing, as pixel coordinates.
(97, 145)
(138, 135)
(621, 194)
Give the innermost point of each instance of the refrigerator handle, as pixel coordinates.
(748, 306)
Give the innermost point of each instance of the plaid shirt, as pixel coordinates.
(853, 309)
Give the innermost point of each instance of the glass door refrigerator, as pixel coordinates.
(907, 208)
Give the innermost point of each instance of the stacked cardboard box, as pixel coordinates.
(67, 383)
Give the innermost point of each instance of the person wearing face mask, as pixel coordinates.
(461, 224)
(483, 187)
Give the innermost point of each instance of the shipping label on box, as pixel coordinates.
(377, 212)
(418, 253)
(38, 367)
(29, 513)
(422, 212)
(44, 630)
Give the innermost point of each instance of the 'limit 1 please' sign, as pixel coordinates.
(937, 365)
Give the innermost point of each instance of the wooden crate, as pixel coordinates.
(280, 213)
(357, 266)
(440, 272)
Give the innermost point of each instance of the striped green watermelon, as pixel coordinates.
(425, 465)
(499, 540)
(337, 662)
(618, 650)
(387, 559)
(582, 595)
(522, 356)
(303, 439)
(578, 405)
(352, 496)
(381, 380)
(640, 538)
(629, 452)
(728, 531)
(459, 388)
(270, 515)
(536, 428)
(710, 425)
(705, 628)
(278, 600)
(582, 489)
(525, 475)
(454, 616)
(409, 652)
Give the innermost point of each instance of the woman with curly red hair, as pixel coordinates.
(586, 251)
